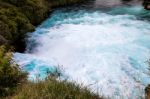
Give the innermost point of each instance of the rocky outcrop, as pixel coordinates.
(146, 4)
(147, 92)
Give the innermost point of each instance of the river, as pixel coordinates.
(103, 45)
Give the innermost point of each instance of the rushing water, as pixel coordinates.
(106, 49)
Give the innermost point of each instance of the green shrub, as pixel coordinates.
(17, 17)
(10, 74)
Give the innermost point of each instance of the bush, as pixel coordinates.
(17, 17)
(10, 74)
(14, 25)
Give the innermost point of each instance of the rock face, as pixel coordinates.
(146, 4)
(147, 92)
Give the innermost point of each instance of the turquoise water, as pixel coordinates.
(104, 49)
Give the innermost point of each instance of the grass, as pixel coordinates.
(53, 89)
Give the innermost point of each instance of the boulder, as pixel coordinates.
(146, 4)
(147, 92)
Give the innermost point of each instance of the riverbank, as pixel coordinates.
(17, 18)
(53, 89)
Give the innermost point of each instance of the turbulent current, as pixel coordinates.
(106, 50)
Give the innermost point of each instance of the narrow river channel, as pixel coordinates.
(103, 45)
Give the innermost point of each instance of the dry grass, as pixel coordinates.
(53, 89)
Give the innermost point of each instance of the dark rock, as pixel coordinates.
(146, 4)
(147, 92)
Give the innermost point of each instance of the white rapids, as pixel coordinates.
(106, 52)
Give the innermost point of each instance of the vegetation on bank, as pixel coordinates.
(14, 84)
(17, 17)
(53, 89)
(11, 75)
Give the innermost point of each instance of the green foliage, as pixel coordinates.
(54, 89)
(17, 17)
(35, 10)
(13, 24)
(10, 74)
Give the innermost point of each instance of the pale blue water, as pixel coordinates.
(106, 50)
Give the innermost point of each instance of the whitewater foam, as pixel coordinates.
(106, 52)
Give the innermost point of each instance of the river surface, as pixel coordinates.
(103, 45)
